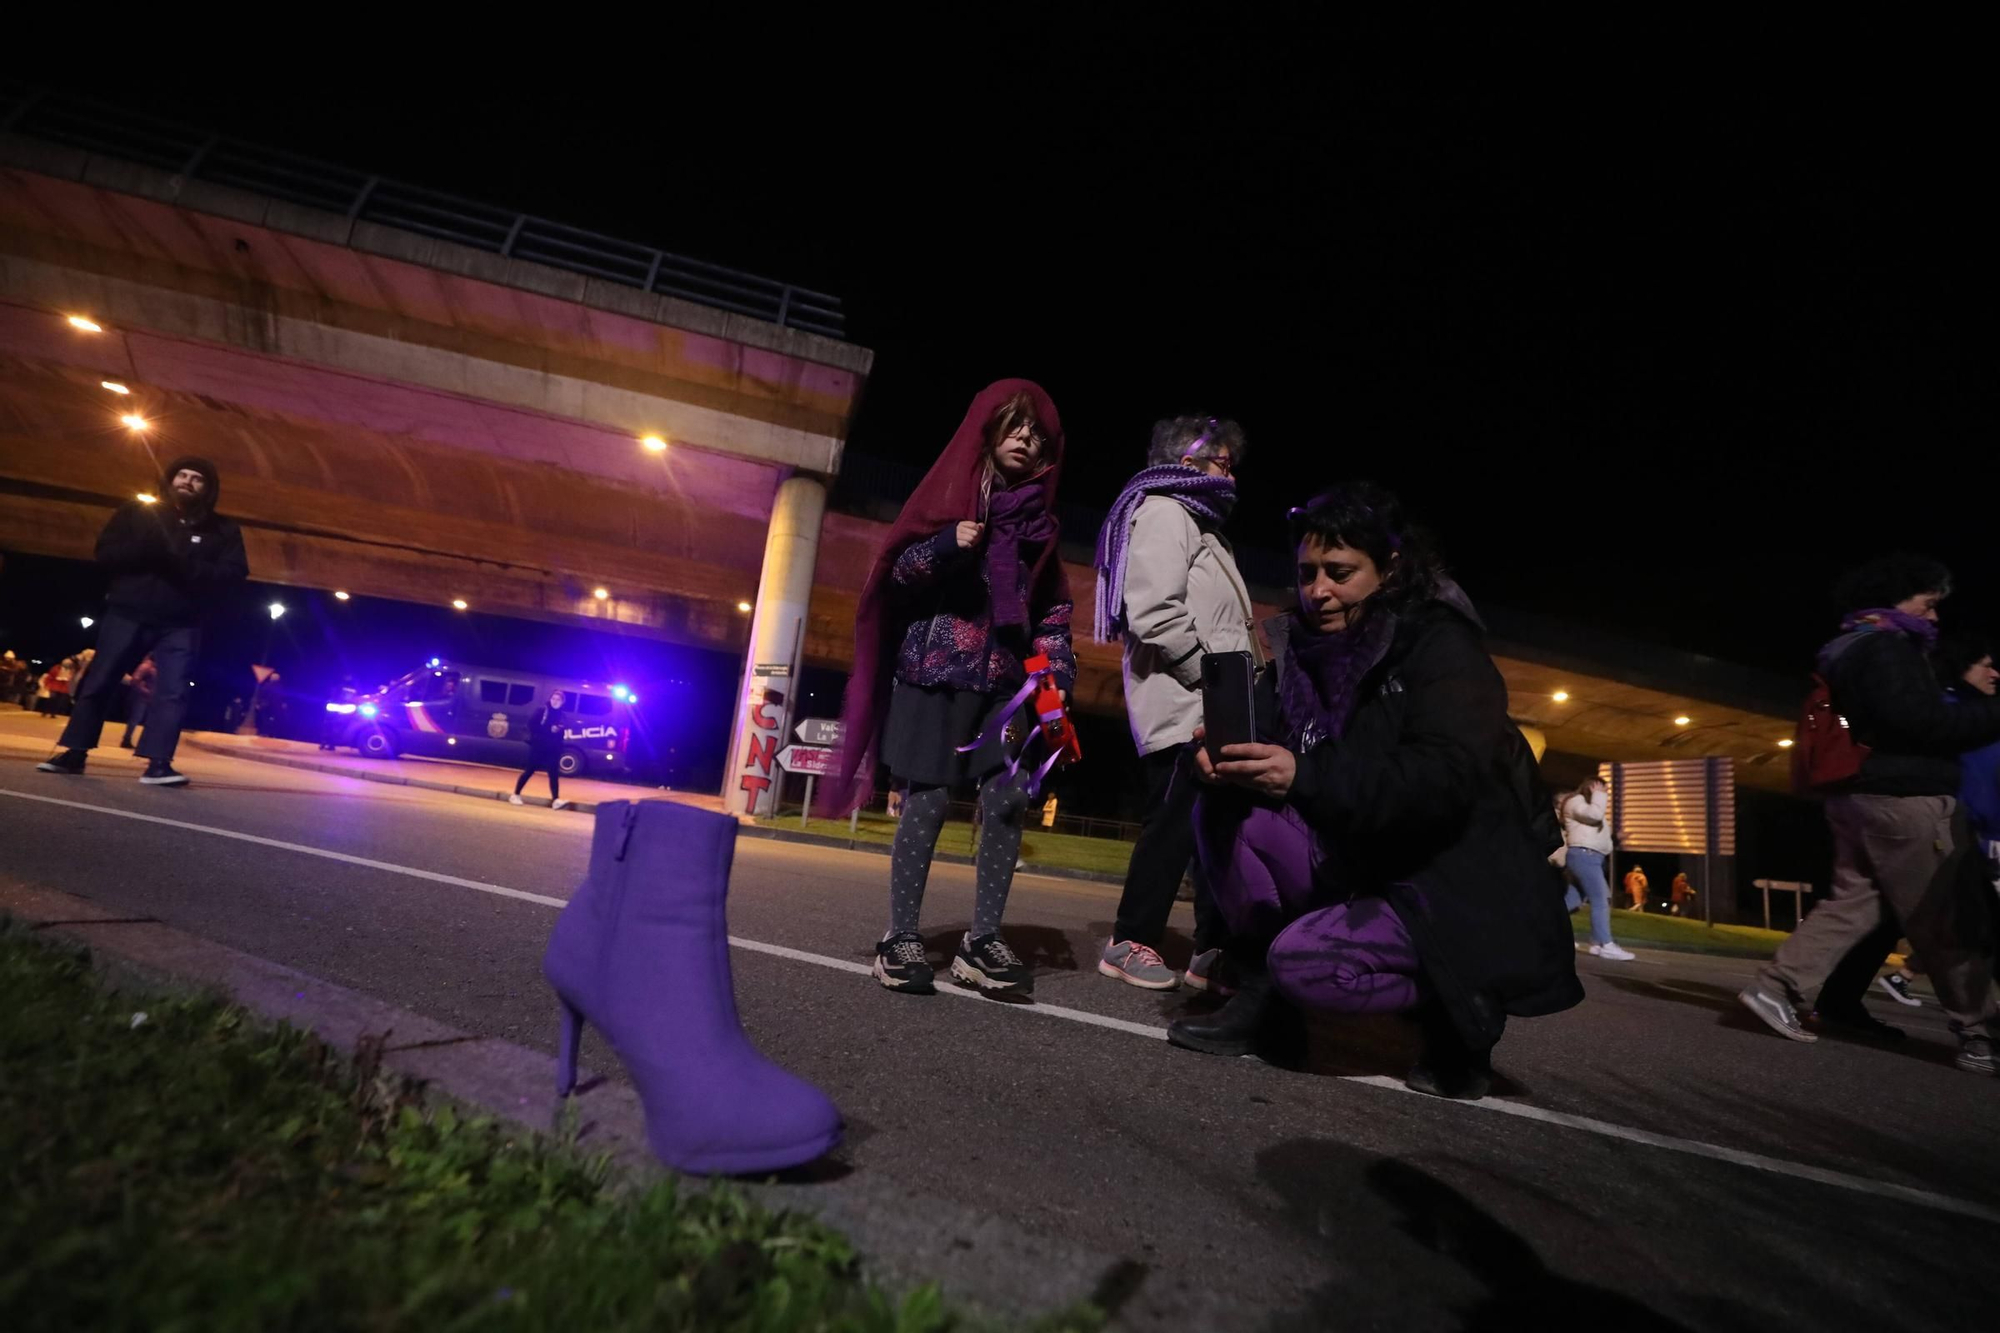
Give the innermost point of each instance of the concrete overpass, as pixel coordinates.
(418, 412)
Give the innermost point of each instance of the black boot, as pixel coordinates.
(1234, 1028)
(1449, 1066)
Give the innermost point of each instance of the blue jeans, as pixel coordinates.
(1586, 868)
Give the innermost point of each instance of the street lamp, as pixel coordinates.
(654, 444)
(340, 595)
(88, 622)
(114, 386)
(600, 593)
(85, 325)
(459, 604)
(134, 421)
(276, 609)
(145, 498)
(744, 607)
(1560, 696)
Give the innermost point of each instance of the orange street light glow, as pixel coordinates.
(654, 443)
(600, 593)
(114, 386)
(146, 499)
(1682, 720)
(86, 325)
(1560, 696)
(458, 604)
(134, 420)
(1785, 744)
(340, 595)
(743, 606)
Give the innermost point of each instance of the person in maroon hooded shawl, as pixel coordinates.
(966, 587)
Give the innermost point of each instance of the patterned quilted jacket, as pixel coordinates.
(950, 640)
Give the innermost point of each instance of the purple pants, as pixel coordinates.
(1351, 957)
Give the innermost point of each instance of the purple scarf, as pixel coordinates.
(1207, 498)
(1013, 517)
(1322, 674)
(1925, 632)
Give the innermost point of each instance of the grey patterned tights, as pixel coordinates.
(1001, 807)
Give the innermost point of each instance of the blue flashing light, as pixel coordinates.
(631, 698)
(367, 710)
(435, 662)
(340, 708)
(619, 691)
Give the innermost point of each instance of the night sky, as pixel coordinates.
(1649, 341)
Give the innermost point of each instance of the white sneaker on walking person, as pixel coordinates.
(1612, 952)
(515, 799)
(558, 805)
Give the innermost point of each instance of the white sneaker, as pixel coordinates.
(515, 800)
(558, 805)
(1612, 952)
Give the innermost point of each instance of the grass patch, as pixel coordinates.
(192, 1170)
(1060, 851)
(1633, 929)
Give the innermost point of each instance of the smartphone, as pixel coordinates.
(1228, 716)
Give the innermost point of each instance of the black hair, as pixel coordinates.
(1890, 579)
(1370, 518)
(1957, 654)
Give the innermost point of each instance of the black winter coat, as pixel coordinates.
(1432, 799)
(545, 734)
(1882, 683)
(166, 571)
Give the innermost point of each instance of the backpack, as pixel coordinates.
(1826, 757)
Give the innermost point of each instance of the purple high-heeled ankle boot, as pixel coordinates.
(642, 951)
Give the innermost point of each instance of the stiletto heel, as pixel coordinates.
(642, 951)
(569, 1035)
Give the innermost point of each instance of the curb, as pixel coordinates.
(764, 831)
(981, 1261)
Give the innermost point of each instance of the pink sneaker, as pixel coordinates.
(1211, 971)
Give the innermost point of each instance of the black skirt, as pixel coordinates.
(926, 724)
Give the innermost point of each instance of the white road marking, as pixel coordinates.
(1521, 1110)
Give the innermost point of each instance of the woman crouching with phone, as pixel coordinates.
(1382, 847)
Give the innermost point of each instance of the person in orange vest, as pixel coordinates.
(1635, 887)
(1681, 894)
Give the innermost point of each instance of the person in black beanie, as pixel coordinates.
(170, 560)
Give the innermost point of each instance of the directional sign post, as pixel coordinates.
(822, 732)
(811, 760)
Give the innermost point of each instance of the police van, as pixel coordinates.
(482, 715)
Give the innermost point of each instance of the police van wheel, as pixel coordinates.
(571, 762)
(377, 743)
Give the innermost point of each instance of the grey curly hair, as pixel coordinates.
(1200, 437)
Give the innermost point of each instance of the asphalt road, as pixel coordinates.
(1653, 1159)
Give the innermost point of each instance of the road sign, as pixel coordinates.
(809, 759)
(819, 731)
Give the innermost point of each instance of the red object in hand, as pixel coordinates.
(1053, 712)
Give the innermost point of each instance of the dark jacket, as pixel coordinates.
(545, 733)
(169, 566)
(1431, 798)
(1882, 683)
(950, 640)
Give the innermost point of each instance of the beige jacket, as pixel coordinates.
(1183, 597)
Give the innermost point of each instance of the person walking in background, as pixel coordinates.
(1900, 832)
(170, 563)
(1586, 821)
(139, 688)
(1169, 590)
(1680, 895)
(62, 688)
(1965, 672)
(545, 747)
(1386, 849)
(1636, 885)
(965, 588)
(14, 674)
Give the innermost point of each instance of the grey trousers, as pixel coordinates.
(1905, 851)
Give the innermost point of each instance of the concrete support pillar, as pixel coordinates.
(767, 701)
